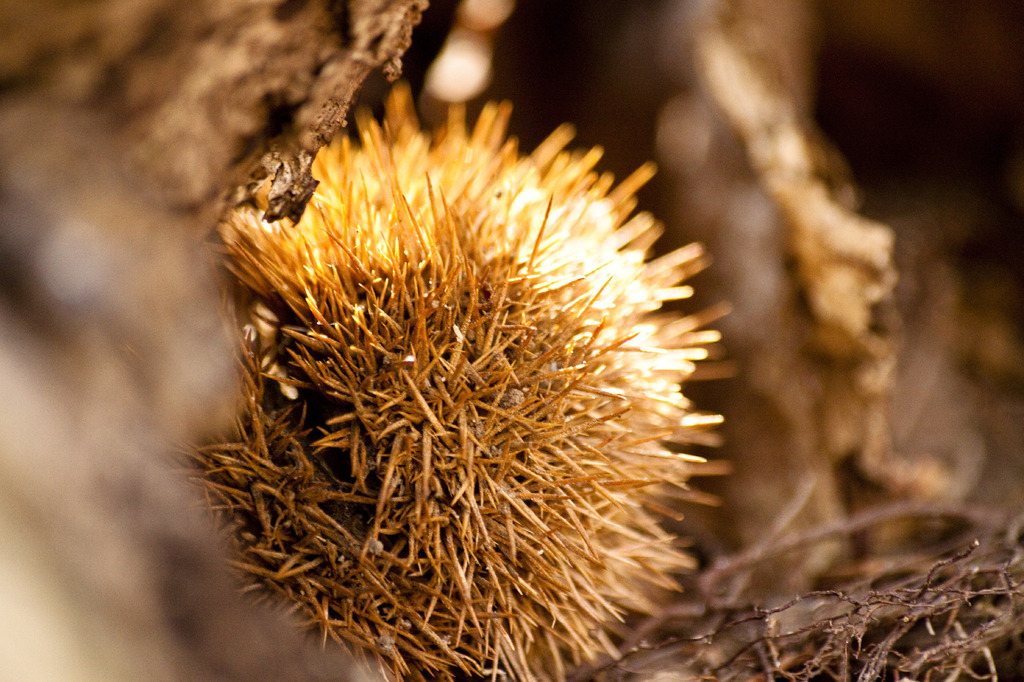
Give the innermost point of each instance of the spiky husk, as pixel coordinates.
(462, 400)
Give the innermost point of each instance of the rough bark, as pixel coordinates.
(205, 96)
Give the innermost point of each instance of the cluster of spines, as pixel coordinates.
(472, 400)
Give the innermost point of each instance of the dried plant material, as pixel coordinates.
(463, 407)
(843, 261)
(948, 608)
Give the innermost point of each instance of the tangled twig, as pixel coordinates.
(953, 609)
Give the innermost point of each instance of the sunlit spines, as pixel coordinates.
(464, 355)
